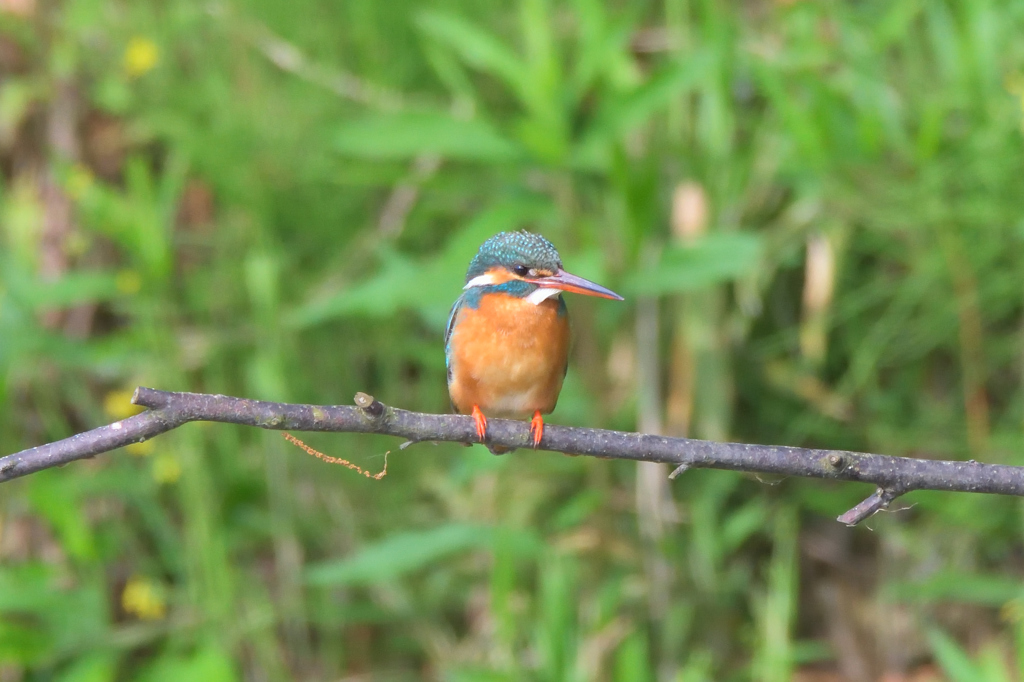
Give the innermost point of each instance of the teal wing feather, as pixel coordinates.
(563, 311)
(449, 328)
(470, 298)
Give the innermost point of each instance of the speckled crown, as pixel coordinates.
(508, 249)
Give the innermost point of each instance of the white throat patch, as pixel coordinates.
(542, 294)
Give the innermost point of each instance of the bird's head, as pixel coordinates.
(508, 258)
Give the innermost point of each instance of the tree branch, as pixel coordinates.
(894, 476)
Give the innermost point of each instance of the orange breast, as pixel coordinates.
(508, 356)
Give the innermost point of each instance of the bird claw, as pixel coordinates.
(537, 429)
(481, 423)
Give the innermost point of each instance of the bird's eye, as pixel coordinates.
(521, 270)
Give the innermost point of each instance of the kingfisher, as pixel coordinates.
(507, 339)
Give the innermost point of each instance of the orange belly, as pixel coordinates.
(508, 356)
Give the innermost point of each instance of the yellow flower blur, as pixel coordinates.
(128, 282)
(140, 56)
(143, 598)
(166, 469)
(79, 181)
(140, 449)
(118, 404)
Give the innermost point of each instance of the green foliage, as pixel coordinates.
(279, 200)
(714, 259)
(399, 554)
(405, 135)
(204, 664)
(959, 666)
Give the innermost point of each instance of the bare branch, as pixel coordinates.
(289, 58)
(879, 500)
(893, 476)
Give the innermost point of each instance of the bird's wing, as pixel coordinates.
(449, 328)
(563, 311)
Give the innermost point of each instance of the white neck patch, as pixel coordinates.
(537, 297)
(480, 281)
(542, 294)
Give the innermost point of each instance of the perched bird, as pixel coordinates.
(507, 341)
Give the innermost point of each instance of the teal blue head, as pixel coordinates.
(515, 251)
(527, 265)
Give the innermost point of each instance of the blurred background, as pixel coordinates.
(814, 209)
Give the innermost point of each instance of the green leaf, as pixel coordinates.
(41, 617)
(633, 109)
(397, 285)
(27, 587)
(716, 258)
(209, 664)
(57, 498)
(555, 636)
(953, 660)
(71, 289)
(428, 285)
(742, 523)
(545, 76)
(990, 590)
(100, 666)
(478, 49)
(802, 120)
(399, 554)
(16, 97)
(992, 666)
(22, 644)
(603, 54)
(480, 675)
(407, 134)
(894, 22)
(632, 659)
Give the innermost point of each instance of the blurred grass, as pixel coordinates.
(279, 200)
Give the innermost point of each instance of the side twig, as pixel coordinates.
(893, 476)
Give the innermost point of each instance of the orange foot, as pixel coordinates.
(537, 428)
(481, 423)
